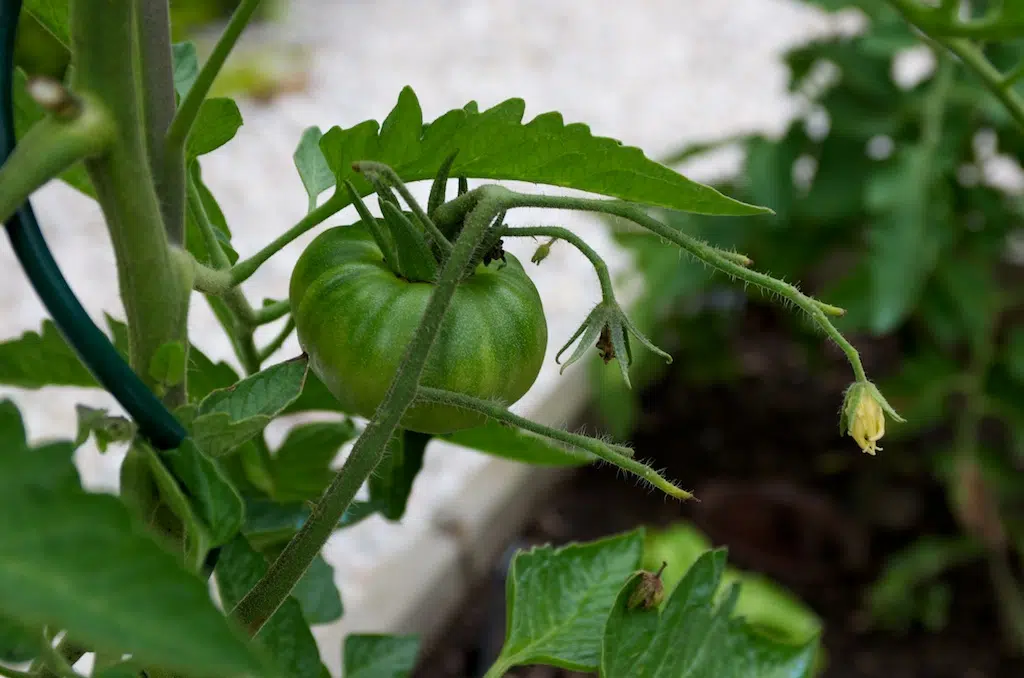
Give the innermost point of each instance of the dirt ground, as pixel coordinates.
(788, 496)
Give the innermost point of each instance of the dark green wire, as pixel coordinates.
(155, 422)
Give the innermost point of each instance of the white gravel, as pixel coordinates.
(654, 74)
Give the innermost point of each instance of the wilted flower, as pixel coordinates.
(649, 591)
(542, 252)
(863, 416)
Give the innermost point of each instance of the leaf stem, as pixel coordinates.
(263, 600)
(704, 252)
(244, 269)
(50, 147)
(613, 454)
(181, 125)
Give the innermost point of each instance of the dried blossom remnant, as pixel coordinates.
(649, 591)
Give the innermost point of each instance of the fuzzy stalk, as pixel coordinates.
(154, 290)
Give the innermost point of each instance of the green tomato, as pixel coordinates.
(355, 318)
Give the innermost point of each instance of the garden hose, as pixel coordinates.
(94, 348)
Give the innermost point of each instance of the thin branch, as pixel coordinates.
(613, 454)
(178, 131)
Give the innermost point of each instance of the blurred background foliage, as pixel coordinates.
(896, 196)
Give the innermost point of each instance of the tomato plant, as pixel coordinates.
(416, 320)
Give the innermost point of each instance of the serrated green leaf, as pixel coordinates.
(518, 445)
(559, 600)
(75, 561)
(379, 656)
(17, 642)
(318, 595)
(285, 637)
(392, 480)
(44, 359)
(690, 636)
(186, 66)
(216, 124)
(316, 176)
(300, 468)
(104, 428)
(764, 605)
(215, 499)
(495, 144)
(228, 417)
(167, 365)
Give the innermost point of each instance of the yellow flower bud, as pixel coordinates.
(863, 417)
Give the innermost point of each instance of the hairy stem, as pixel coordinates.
(600, 268)
(244, 269)
(156, 79)
(263, 600)
(181, 125)
(613, 454)
(699, 250)
(50, 147)
(153, 288)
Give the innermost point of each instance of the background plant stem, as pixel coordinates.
(156, 79)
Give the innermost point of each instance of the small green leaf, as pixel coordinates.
(559, 599)
(317, 594)
(216, 124)
(300, 469)
(186, 66)
(285, 637)
(392, 480)
(228, 417)
(518, 445)
(103, 427)
(18, 643)
(495, 144)
(75, 561)
(379, 656)
(167, 366)
(414, 260)
(316, 176)
(690, 636)
(44, 359)
(216, 500)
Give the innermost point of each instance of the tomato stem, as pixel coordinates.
(614, 454)
(396, 182)
(702, 251)
(263, 600)
(600, 268)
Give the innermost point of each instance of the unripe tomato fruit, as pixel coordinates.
(355, 318)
